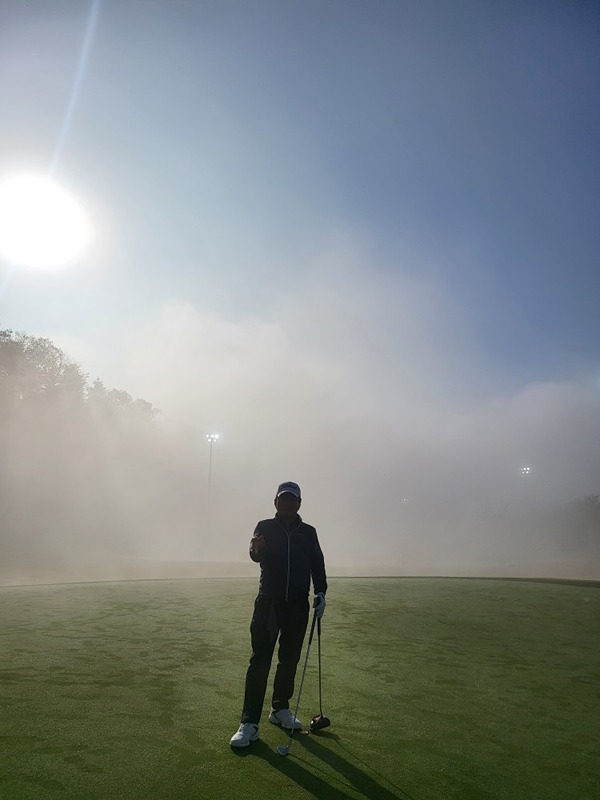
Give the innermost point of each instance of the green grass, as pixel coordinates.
(436, 688)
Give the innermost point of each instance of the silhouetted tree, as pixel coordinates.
(79, 463)
(31, 366)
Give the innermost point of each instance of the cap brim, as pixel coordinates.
(288, 491)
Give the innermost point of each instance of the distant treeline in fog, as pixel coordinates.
(83, 468)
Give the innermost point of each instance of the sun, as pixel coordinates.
(41, 225)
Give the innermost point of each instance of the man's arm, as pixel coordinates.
(317, 568)
(257, 545)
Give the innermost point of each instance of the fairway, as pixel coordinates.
(436, 689)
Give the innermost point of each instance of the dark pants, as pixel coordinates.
(273, 618)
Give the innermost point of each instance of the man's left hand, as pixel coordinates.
(319, 604)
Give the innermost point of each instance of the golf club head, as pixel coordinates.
(318, 722)
(283, 749)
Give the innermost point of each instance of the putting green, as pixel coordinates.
(436, 689)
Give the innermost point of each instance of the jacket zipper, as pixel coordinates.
(289, 536)
(287, 586)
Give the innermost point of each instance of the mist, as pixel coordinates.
(372, 395)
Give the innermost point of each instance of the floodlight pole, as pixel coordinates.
(211, 438)
(526, 478)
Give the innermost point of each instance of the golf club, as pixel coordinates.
(284, 749)
(318, 722)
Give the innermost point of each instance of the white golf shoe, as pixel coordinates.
(285, 719)
(246, 733)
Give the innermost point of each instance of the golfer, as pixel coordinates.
(289, 555)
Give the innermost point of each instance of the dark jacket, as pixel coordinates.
(288, 560)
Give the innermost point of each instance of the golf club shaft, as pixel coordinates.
(310, 638)
(319, 649)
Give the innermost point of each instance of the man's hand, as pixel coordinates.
(319, 604)
(258, 544)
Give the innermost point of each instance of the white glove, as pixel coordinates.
(319, 604)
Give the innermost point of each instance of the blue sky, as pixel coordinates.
(238, 136)
(406, 192)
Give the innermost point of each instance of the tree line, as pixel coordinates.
(84, 469)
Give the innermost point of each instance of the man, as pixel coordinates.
(289, 555)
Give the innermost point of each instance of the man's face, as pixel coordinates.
(287, 505)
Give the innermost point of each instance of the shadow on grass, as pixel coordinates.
(321, 787)
(359, 779)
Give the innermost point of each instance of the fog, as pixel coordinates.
(371, 395)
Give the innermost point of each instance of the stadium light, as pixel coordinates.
(211, 438)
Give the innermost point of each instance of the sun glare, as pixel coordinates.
(41, 225)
